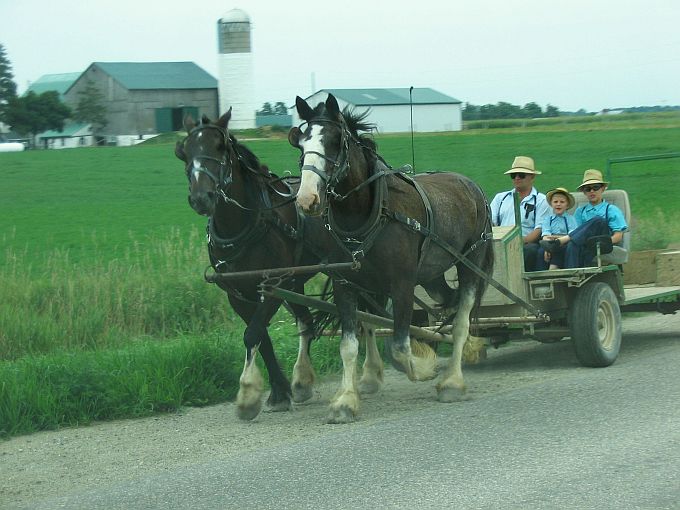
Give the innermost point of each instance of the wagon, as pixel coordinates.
(582, 303)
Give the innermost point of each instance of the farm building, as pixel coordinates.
(74, 134)
(390, 109)
(58, 82)
(145, 98)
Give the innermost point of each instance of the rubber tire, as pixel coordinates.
(595, 324)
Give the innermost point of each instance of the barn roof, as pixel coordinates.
(57, 82)
(158, 75)
(385, 97)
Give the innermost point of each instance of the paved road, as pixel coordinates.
(560, 436)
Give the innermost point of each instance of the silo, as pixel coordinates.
(235, 67)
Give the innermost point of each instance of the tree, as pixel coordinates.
(8, 89)
(280, 108)
(266, 109)
(532, 111)
(552, 111)
(91, 107)
(31, 114)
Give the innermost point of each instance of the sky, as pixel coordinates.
(573, 54)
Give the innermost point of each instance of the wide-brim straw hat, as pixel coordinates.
(592, 176)
(523, 164)
(565, 192)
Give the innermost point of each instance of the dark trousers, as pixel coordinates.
(577, 254)
(556, 257)
(530, 256)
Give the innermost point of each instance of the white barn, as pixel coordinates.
(390, 109)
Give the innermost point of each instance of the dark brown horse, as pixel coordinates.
(254, 226)
(404, 231)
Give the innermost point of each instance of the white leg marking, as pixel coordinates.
(251, 387)
(452, 386)
(303, 372)
(372, 375)
(345, 404)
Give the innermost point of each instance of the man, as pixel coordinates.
(533, 207)
(596, 218)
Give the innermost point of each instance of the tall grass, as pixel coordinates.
(154, 291)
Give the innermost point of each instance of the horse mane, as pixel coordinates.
(247, 157)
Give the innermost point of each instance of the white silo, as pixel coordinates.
(235, 66)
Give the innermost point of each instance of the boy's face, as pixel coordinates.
(559, 203)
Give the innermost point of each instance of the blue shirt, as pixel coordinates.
(613, 215)
(556, 224)
(533, 209)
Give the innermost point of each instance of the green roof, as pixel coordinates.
(384, 97)
(158, 75)
(57, 82)
(70, 129)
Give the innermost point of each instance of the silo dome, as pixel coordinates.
(235, 16)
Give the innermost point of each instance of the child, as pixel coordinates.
(557, 224)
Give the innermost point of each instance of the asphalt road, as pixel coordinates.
(555, 436)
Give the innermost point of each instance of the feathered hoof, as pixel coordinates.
(279, 407)
(341, 414)
(416, 368)
(369, 387)
(301, 393)
(448, 394)
(248, 412)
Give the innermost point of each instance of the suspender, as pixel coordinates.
(526, 214)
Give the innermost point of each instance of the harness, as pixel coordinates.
(357, 243)
(263, 217)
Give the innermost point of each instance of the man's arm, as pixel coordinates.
(533, 236)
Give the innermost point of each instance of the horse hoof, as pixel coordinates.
(302, 393)
(369, 387)
(340, 415)
(450, 394)
(248, 413)
(279, 407)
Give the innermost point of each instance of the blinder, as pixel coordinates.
(341, 164)
(223, 178)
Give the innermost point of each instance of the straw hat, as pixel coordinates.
(523, 164)
(592, 176)
(565, 192)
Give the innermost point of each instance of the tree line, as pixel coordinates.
(33, 113)
(503, 110)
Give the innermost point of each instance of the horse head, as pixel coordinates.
(208, 164)
(323, 144)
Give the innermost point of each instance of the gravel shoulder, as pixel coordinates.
(49, 464)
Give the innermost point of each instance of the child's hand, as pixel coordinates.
(546, 256)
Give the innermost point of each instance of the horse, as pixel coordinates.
(254, 226)
(404, 231)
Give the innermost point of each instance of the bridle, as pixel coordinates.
(341, 165)
(223, 180)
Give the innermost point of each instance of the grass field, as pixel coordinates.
(102, 259)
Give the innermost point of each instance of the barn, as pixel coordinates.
(145, 98)
(390, 109)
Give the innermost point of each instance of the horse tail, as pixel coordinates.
(324, 321)
(487, 259)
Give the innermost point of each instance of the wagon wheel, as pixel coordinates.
(595, 324)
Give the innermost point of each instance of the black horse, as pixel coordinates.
(254, 226)
(405, 231)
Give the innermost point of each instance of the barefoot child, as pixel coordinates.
(557, 224)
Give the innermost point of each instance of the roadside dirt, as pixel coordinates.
(72, 460)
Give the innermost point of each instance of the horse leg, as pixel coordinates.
(373, 370)
(303, 372)
(420, 365)
(251, 385)
(451, 387)
(345, 404)
(442, 294)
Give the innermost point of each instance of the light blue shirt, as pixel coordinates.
(556, 224)
(613, 215)
(533, 209)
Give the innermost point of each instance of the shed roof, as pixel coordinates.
(70, 129)
(158, 75)
(58, 82)
(397, 96)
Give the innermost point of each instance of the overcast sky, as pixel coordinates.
(573, 54)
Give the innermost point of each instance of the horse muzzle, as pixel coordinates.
(203, 203)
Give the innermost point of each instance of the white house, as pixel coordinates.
(390, 109)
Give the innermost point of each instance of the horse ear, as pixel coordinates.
(179, 151)
(332, 105)
(294, 137)
(303, 109)
(223, 121)
(189, 122)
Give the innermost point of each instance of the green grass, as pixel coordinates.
(103, 309)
